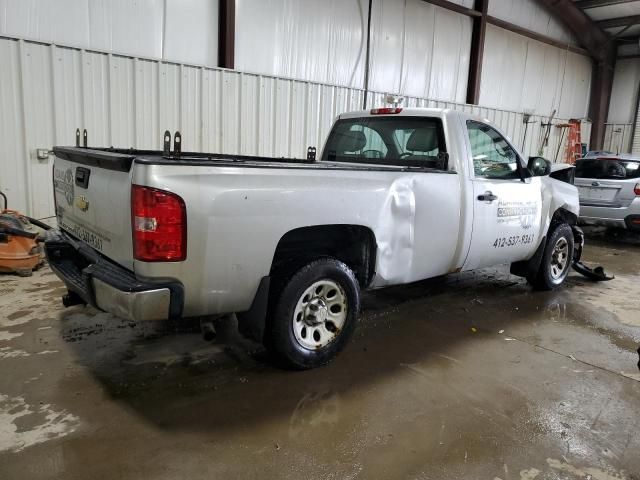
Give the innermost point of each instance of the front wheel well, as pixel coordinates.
(562, 215)
(355, 245)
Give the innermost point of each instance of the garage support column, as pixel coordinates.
(601, 86)
(477, 51)
(226, 33)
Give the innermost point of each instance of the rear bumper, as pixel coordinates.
(622, 217)
(107, 285)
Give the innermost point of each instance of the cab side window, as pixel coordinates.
(492, 155)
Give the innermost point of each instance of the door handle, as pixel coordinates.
(487, 197)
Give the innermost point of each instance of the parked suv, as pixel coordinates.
(609, 188)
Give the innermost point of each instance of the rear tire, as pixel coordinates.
(556, 259)
(313, 314)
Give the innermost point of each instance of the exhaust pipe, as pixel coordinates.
(72, 298)
(208, 330)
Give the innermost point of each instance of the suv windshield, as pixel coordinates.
(607, 169)
(405, 141)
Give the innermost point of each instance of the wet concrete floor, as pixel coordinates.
(474, 376)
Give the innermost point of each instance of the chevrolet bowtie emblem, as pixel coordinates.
(82, 203)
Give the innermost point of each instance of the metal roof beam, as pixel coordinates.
(584, 4)
(454, 7)
(619, 22)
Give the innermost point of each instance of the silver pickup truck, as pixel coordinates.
(397, 195)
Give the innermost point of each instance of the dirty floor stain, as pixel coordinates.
(474, 376)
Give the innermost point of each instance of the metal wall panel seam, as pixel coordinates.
(290, 129)
(109, 99)
(161, 125)
(274, 107)
(305, 124)
(201, 125)
(136, 141)
(239, 133)
(54, 110)
(25, 136)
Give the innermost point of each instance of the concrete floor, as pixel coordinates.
(473, 377)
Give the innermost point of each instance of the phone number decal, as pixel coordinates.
(513, 241)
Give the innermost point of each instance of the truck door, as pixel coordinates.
(506, 210)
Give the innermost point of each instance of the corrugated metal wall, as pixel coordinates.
(47, 91)
(416, 49)
(531, 14)
(522, 74)
(618, 137)
(624, 94)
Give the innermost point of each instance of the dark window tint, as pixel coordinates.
(609, 169)
(405, 141)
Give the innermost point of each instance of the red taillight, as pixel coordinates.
(385, 111)
(636, 189)
(159, 223)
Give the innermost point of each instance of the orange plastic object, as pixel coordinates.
(574, 143)
(19, 254)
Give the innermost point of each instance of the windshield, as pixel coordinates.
(607, 169)
(405, 141)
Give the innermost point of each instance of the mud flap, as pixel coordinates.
(578, 243)
(252, 322)
(529, 268)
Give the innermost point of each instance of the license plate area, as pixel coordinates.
(598, 193)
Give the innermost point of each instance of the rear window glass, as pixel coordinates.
(611, 169)
(404, 141)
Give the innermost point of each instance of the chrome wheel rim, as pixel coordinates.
(559, 258)
(319, 314)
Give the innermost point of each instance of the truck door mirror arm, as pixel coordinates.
(522, 171)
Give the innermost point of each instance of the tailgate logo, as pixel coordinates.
(63, 183)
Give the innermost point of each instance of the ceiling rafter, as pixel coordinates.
(584, 4)
(619, 22)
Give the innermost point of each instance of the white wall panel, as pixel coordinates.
(624, 94)
(419, 49)
(530, 14)
(191, 32)
(63, 21)
(148, 130)
(177, 30)
(522, 74)
(122, 103)
(47, 91)
(618, 137)
(134, 28)
(14, 160)
(39, 120)
(95, 98)
(320, 40)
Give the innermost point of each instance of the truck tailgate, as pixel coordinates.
(93, 200)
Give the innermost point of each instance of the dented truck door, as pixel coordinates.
(506, 209)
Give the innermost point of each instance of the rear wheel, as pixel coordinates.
(556, 260)
(314, 314)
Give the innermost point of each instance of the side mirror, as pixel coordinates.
(539, 167)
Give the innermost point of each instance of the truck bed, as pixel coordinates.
(121, 160)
